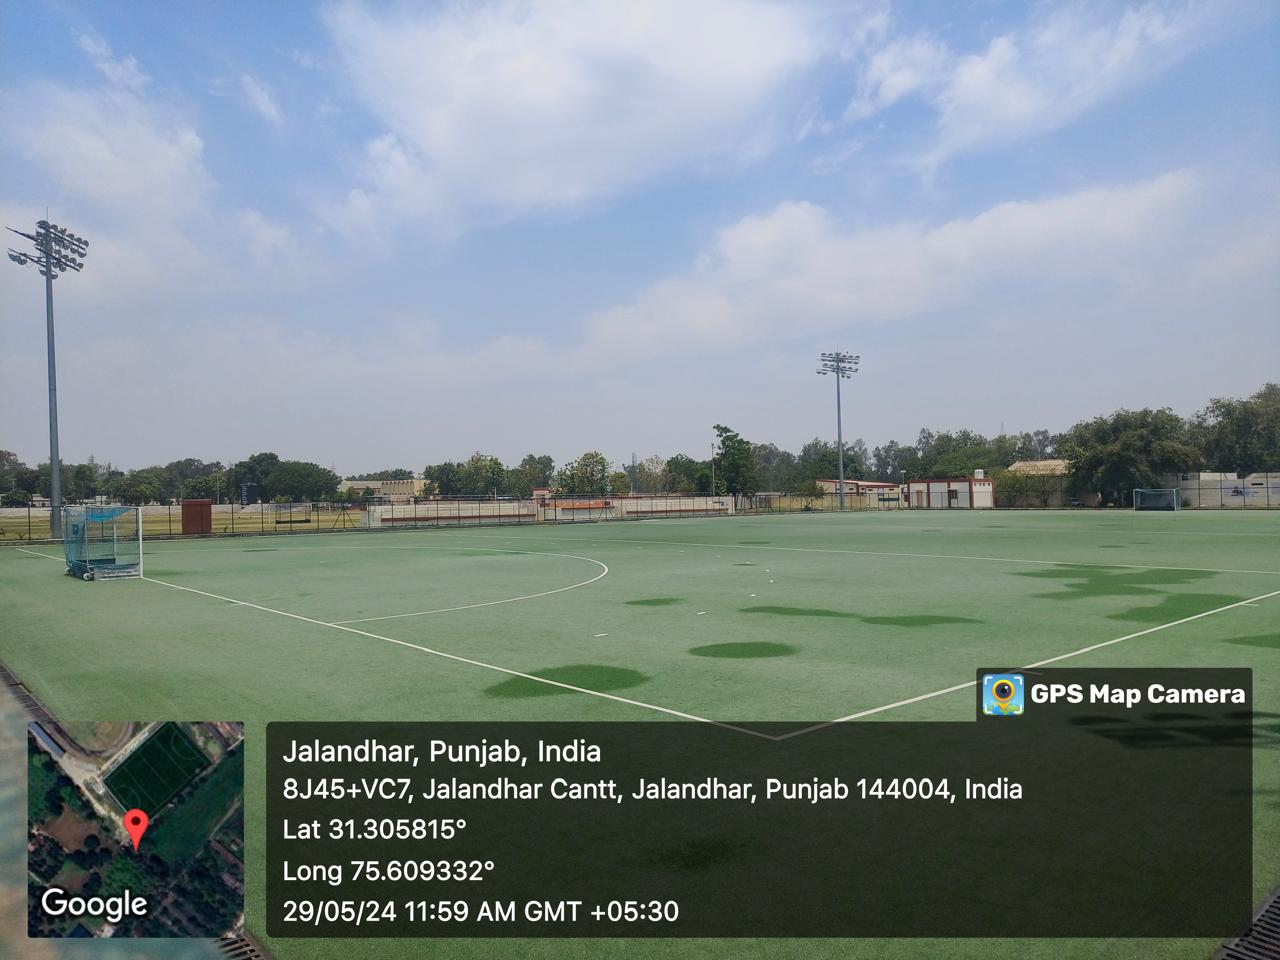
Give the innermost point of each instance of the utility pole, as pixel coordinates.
(844, 366)
(57, 251)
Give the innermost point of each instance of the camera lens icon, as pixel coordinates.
(1002, 694)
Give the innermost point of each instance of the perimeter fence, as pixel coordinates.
(1259, 491)
(25, 524)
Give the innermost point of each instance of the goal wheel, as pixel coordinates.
(89, 575)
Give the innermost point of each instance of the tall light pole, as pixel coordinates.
(844, 366)
(57, 251)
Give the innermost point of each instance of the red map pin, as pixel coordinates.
(135, 821)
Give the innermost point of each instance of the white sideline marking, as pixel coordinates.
(1031, 666)
(466, 660)
(927, 556)
(604, 572)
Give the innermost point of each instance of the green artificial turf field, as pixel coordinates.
(156, 770)
(862, 616)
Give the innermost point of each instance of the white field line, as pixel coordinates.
(467, 660)
(688, 716)
(916, 556)
(36, 553)
(604, 572)
(1031, 666)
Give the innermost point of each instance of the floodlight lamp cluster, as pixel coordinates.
(57, 249)
(841, 364)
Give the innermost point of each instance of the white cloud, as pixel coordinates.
(260, 98)
(123, 153)
(267, 241)
(128, 172)
(900, 68)
(1029, 82)
(121, 72)
(519, 105)
(797, 270)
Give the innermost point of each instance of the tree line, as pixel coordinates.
(1109, 455)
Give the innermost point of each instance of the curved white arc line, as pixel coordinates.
(467, 660)
(604, 572)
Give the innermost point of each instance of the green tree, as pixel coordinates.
(736, 462)
(687, 475)
(15, 498)
(619, 483)
(818, 460)
(1241, 436)
(445, 479)
(651, 475)
(9, 467)
(179, 472)
(254, 471)
(586, 476)
(140, 486)
(299, 481)
(774, 465)
(483, 476)
(1131, 448)
(209, 487)
(533, 471)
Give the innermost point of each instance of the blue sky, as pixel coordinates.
(374, 235)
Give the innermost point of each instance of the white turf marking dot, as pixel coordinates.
(701, 613)
(599, 635)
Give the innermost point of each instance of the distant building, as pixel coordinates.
(963, 493)
(1228, 491)
(1040, 468)
(1041, 483)
(47, 742)
(386, 491)
(858, 488)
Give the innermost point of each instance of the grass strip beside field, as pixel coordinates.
(184, 830)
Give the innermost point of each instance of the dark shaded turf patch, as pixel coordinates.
(1176, 607)
(655, 602)
(801, 612)
(1110, 581)
(589, 676)
(744, 651)
(916, 620)
(906, 620)
(697, 854)
(747, 564)
(1270, 641)
(259, 549)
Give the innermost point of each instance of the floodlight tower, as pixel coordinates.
(57, 251)
(844, 366)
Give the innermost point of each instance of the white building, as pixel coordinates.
(964, 493)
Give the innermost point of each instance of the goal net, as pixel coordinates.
(1162, 499)
(102, 542)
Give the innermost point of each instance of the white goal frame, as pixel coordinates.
(1138, 491)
